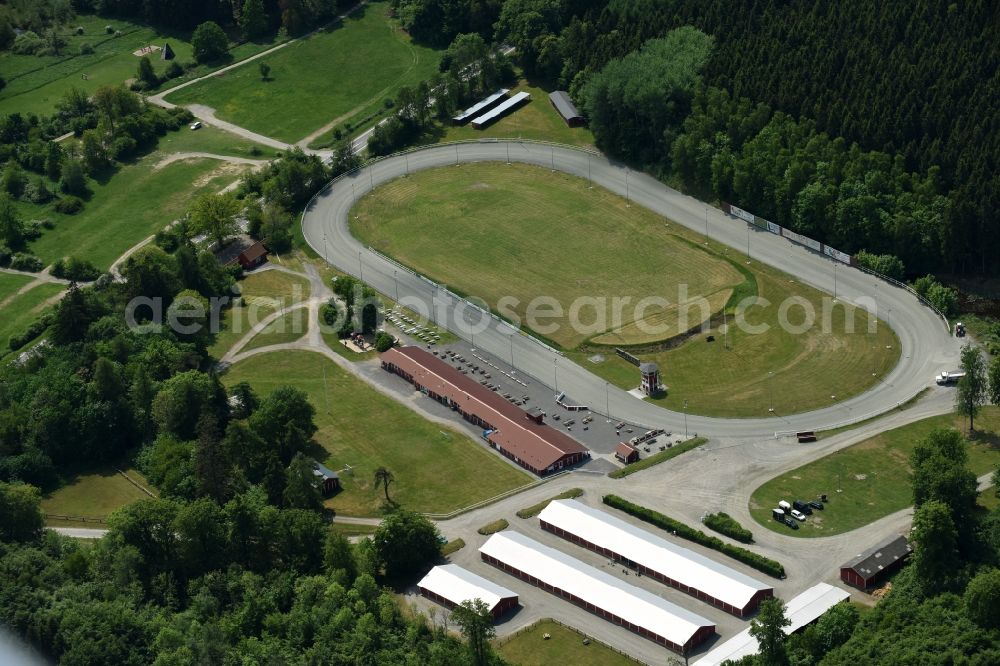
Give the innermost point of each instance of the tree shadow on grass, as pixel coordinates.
(986, 438)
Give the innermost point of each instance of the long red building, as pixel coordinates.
(522, 437)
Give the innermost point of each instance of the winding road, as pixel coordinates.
(927, 345)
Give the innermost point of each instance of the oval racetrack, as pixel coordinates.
(927, 346)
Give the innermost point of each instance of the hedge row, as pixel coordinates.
(682, 530)
(723, 523)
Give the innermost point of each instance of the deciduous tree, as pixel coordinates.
(971, 394)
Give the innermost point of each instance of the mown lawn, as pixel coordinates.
(210, 139)
(262, 294)
(870, 479)
(286, 328)
(94, 493)
(436, 469)
(496, 231)
(492, 230)
(564, 646)
(10, 284)
(339, 73)
(23, 310)
(135, 202)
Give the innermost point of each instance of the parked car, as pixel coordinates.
(798, 515)
(791, 523)
(817, 505)
(785, 506)
(196, 125)
(803, 507)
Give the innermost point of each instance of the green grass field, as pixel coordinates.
(455, 226)
(36, 83)
(872, 477)
(136, 202)
(10, 284)
(530, 648)
(23, 310)
(94, 494)
(210, 139)
(330, 76)
(263, 293)
(493, 230)
(536, 120)
(286, 328)
(436, 469)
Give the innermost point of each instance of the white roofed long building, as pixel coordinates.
(450, 585)
(599, 592)
(654, 556)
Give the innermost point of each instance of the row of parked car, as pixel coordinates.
(796, 511)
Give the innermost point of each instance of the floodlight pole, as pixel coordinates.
(770, 391)
(706, 224)
(555, 372)
(395, 282)
(607, 401)
(835, 280)
(511, 339)
(407, 157)
(371, 177)
(552, 152)
(628, 200)
(589, 180)
(507, 144)
(361, 270)
(748, 242)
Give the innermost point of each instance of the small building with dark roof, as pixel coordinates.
(166, 53)
(328, 479)
(873, 566)
(251, 257)
(626, 453)
(564, 105)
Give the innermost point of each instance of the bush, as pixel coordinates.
(77, 270)
(108, 29)
(36, 328)
(384, 342)
(173, 70)
(28, 43)
(684, 531)
(723, 523)
(69, 205)
(79, 29)
(5, 255)
(883, 264)
(943, 298)
(38, 192)
(23, 261)
(86, 48)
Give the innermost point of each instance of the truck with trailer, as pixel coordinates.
(949, 378)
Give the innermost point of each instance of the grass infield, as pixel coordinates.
(492, 230)
(871, 479)
(436, 469)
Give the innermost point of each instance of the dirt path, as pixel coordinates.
(177, 157)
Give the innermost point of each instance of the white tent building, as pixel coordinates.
(599, 592)
(450, 585)
(654, 556)
(803, 609)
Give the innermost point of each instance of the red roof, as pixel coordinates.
(538, 445)
(254, 252)
(625, 450)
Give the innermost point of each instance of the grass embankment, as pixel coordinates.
(685, 531)
(91, 493)
(657, 458)
(134, 202)
(871, 479)
(262, 294)
(341, 73)
(563, 646)
(535, 509)
(436, 469)
(493, 230)
(494, 527)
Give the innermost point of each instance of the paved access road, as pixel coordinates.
(927, 345)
